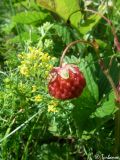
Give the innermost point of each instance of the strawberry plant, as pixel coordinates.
(59, 80)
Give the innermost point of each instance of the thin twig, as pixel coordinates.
(71, 44)
(105, 18)
(116, 41)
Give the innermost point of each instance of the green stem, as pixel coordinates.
(105, 18)
(70, 45)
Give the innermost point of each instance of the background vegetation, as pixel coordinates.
(34, 125)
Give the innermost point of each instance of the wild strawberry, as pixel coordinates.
(66, 82)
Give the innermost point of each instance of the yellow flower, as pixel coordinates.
(38, 98)
(45, 57)
(52, 106)
(36, 62)
(31, 56)
(21, 55)
(24, 70)
(48, 66)
(34, 88)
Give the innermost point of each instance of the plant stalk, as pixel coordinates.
(116, 41)
(70, 45)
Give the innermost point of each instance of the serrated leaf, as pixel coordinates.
(84, 106)
(29, 17)
(114, 72)
(88, 68)
(63, 32)
(87, 117)
(72, 60)
(107, 108)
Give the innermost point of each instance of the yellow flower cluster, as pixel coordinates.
(24, 70)
(52, 106)
(38, 98)
(35, 63)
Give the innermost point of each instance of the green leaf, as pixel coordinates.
(107, 108)
(70, 10)
(102, 114)
(25, 36)
(63, 32)
(8, 28)
(32, 5)
(53, 127)
(29, 17)
(89, 118)
(65, 9)
(84, 107)
(88, 68)
(91, 21)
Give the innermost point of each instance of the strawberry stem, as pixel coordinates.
(70, 45)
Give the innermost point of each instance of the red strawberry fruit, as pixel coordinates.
(66, 82)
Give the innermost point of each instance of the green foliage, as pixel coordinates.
(64, 9)
(87, 66)
(34, 125)
(72, 13)
(29, 17)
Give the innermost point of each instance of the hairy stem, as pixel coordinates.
(70, 45)
(116, 41)
(108, 76)
(104, 17)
